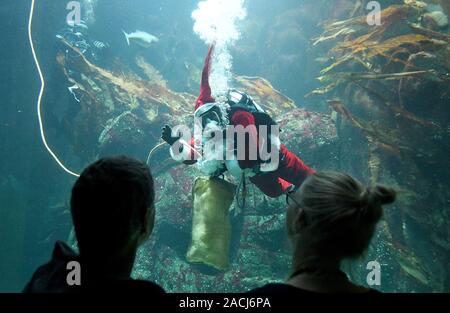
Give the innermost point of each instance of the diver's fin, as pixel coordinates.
(127, 37)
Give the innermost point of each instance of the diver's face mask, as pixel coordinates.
(209, 113)
(238, 97)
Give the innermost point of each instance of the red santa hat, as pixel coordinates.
(205, 89)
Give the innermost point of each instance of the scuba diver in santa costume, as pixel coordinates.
(238, 109)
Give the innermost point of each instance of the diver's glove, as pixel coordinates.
(167, 135)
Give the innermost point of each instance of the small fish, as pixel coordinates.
(323, 60)
(141, 38)
(100, 45)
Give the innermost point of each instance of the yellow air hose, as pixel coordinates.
(41, 93)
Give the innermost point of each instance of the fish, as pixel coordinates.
(323, 60)
(141, 38)
(100, 45)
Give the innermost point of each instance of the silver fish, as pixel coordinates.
(141, 38)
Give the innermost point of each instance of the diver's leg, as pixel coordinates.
(291, 171)
(291, 168)
(270, 184)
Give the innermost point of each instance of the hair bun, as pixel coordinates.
(364, 197)
(372, 199)
(381, 195)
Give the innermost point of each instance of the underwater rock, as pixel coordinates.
(268, 230)
(263, 260)
(126, 132)
(168, 268)
(176, 211)
(308, 134)
(435, 20)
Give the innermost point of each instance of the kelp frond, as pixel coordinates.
(152, 94)
(334, 80)
(273, 101)
(396, 42)
(378, 137)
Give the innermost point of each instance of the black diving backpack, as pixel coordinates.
(238, 101)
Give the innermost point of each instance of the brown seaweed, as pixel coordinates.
(399, 110)
(383, 63)
(265, 94)
(378, 137)
(334, 80)
(151, 93)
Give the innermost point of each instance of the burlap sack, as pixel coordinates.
(210, 243)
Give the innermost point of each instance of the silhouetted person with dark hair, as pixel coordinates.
(113, 212)
(330, 217)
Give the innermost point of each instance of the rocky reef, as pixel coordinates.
(383, 98)
(123, 113)
(259, 247)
